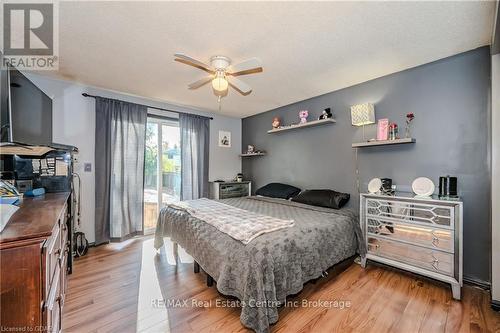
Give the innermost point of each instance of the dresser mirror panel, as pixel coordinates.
(432, 260)
(416, 212)
(233, 191)
(437, 238)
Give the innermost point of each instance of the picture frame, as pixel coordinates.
(225, 139)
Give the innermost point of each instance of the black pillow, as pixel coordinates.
(322, 198)
(278, 190)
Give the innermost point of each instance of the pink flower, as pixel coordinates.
(409, 117)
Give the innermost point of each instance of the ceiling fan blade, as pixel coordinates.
(201, 82)
(251, 65)
(239, 85)
(193, 62)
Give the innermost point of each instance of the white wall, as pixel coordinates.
(495, 178)
(74, 124)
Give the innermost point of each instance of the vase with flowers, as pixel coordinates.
(393, 131)
(409, 118)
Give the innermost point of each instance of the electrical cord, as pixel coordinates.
(81, 243)
(76, 201)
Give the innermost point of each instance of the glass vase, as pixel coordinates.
(407, 131)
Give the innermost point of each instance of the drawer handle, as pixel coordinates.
(377, 247)
(435, 241)
(435, 264)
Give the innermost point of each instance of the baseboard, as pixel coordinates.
(478, 283)
(495, 305)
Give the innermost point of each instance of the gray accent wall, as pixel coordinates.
(451, 102)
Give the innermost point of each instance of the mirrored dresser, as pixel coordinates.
(417, 234)
(226, 190)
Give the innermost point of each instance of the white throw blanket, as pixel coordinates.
(240, 224)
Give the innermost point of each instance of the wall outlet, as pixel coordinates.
(87, 167)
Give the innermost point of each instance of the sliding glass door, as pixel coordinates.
(162, 169)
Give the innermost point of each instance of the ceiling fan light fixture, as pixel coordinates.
(222, 73)
(219, 83)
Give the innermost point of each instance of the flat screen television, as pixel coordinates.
(26, 115)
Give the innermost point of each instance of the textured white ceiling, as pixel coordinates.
(307, 49)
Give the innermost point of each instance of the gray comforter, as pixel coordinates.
(264, 272)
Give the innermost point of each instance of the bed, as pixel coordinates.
(262, 273)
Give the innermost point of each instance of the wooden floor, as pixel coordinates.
(117, 287)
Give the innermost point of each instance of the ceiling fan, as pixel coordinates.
(222, 74)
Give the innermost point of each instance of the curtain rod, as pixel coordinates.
(148, 106)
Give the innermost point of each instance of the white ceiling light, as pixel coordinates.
(220, 83)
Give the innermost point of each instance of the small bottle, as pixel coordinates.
(393, 131)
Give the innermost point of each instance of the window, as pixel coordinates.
(162, 168)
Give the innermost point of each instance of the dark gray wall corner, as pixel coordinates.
(450, 99)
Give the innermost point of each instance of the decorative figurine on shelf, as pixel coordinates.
(393, 131)
(303, 116)
(276, 122)
(326, 114)
(409, 118)
(250, 149)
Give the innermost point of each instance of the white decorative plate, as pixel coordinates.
(374, 185)
(423, 186)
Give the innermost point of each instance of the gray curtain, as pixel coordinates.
(195, 141)
(120, 137)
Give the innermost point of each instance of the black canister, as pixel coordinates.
(443, 184)
(448, 186)
(452, 186)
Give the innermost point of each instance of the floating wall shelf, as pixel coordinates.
(308, 124)
(383, 143)
(252, 154)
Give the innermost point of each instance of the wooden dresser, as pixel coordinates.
(420, 235)
(34, 257)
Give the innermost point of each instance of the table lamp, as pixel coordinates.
(363, 114)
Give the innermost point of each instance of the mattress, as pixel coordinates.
(262, 273)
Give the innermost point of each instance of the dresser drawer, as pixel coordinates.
(64, 278)
(233, 190)
(431, 260)
(433, 238)
(53, 253)
(52, 318)
(411, 212)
